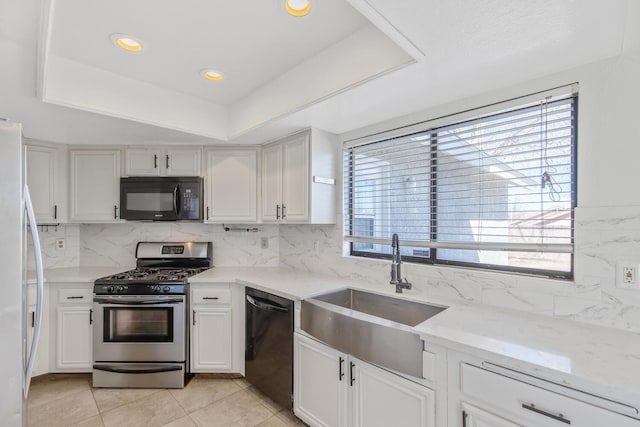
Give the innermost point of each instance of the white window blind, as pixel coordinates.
(498, 190)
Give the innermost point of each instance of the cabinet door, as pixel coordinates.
(74, 332)
(476, 417)
(182, 161)
(296, 179)
(380, 398)
(211, 340)
(95, 185)
(41, 178)
(320, 381)
(272, 183)
(142, 162)
(232, 186)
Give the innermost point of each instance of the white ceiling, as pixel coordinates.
(251, 42)
(352, 64)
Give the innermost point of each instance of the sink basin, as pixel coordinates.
(408, 313)
(375, 328)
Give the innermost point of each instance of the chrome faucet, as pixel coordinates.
(396, 263)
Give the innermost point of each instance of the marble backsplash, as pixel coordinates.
(114, 244)
(106, 245)
(603, 237)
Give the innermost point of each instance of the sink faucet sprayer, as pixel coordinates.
(396, 262)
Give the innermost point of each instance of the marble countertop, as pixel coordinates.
(587, 357)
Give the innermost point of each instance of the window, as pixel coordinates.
(496, 191)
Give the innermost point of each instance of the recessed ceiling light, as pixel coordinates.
(297, 7)
(126, 42)
(210, 74)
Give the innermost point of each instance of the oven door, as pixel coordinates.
(145, 328)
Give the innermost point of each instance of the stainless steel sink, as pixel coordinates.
(375, 328)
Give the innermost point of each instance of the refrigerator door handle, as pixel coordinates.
(28, 206)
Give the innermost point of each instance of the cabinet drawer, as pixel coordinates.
(521, 401)
(75, 296)
(214, 295)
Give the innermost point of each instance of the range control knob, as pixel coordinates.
(120, 288)
(110, 289)
(166, 289)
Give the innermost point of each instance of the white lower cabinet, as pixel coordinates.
(41, 363)
(335, 389)
(319, 383)
(74, 330)
(484, 398)
(211, 339)
(217, 328)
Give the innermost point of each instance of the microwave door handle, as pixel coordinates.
(176, 200)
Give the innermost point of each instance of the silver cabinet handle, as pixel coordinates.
(155, 161)
(115, 211)
(194, 318)
(207, 213)
(277, 211)
(210, 298)
(558, 417)
(284, 211)
(73, 297)
(55, 211)
(167, 161)
(340, 371)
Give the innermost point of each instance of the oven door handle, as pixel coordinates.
(136, 370)
(136, 302)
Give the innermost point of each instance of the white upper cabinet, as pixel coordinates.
(299, 179)
(231, 185)
(46, 185)
(95, 185)
(163, 162)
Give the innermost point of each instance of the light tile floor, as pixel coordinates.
(57, 400)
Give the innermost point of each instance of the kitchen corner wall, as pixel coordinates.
(607, 220)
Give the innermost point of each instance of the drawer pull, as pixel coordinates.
(559, 417)
(75, 297)
(210, 297)
(340, 372)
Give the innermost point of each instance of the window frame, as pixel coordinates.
(432, 259)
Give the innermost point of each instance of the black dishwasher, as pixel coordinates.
(269, 345)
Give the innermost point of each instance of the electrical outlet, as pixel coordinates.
(628, 275)
(264, 242)
(60, 244)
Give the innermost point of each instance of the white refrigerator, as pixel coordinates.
(17, 224)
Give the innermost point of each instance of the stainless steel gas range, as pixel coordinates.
(140, 317)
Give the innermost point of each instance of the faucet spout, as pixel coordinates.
(396, 263)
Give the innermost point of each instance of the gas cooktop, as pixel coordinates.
(162, 268)
(146, 280)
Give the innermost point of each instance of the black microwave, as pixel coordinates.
(161, 198)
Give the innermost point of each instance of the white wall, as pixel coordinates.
(607, 226)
